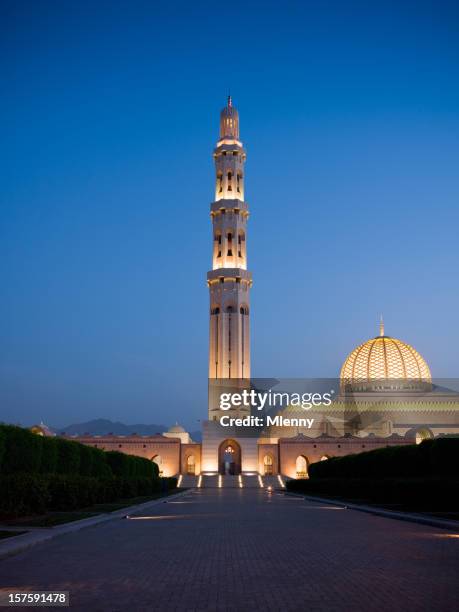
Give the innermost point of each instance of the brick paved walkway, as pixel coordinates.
(245, 550)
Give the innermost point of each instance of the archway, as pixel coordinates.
(229, 457)
(159, 462)
(268, 465)
(190, 465)
(301, 467)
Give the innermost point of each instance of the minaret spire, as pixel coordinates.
(381, 326)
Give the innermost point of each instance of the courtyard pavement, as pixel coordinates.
(245, 549)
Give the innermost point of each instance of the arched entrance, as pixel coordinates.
(159, 462)
(229, 457)
(190, 465)
(301, 467)
(268, 465)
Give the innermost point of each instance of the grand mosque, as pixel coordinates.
(384, 395)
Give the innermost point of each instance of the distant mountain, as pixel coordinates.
(101, 427)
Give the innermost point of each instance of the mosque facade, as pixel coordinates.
(385, 393)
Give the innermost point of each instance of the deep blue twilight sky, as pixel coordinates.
(109, 113)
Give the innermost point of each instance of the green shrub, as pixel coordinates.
(126, 487)
(444, 455)
(108, 489)
(155, 467)
(72, 475)
(86, 455)
(49, 455)
(69, 492)
(146, 468)
(427, 493)
(23, 494)
(118, 463)
(99, 465)
(68, 461)
(432, 457)
(2, 447)
(130, 466)
(22, 450)
(171, 482)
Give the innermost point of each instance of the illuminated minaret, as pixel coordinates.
(229, 281)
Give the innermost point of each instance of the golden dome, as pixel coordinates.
(383, 358)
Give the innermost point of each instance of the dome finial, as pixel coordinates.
(381, 326)
(230, 101)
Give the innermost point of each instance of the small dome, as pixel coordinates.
(229, 121)
(42, 430)
(384, 358)
(176, 429)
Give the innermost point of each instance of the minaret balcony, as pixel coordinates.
(229, 275)
(229, 205)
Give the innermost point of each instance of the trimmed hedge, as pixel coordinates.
(51, 473)
(2, 446)
(24, 494)
(49, 455)
(99, 465)
(438, 457)
(418, 476)
(130, 466)
(23, 450)
(431, 493)
(68, 461)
